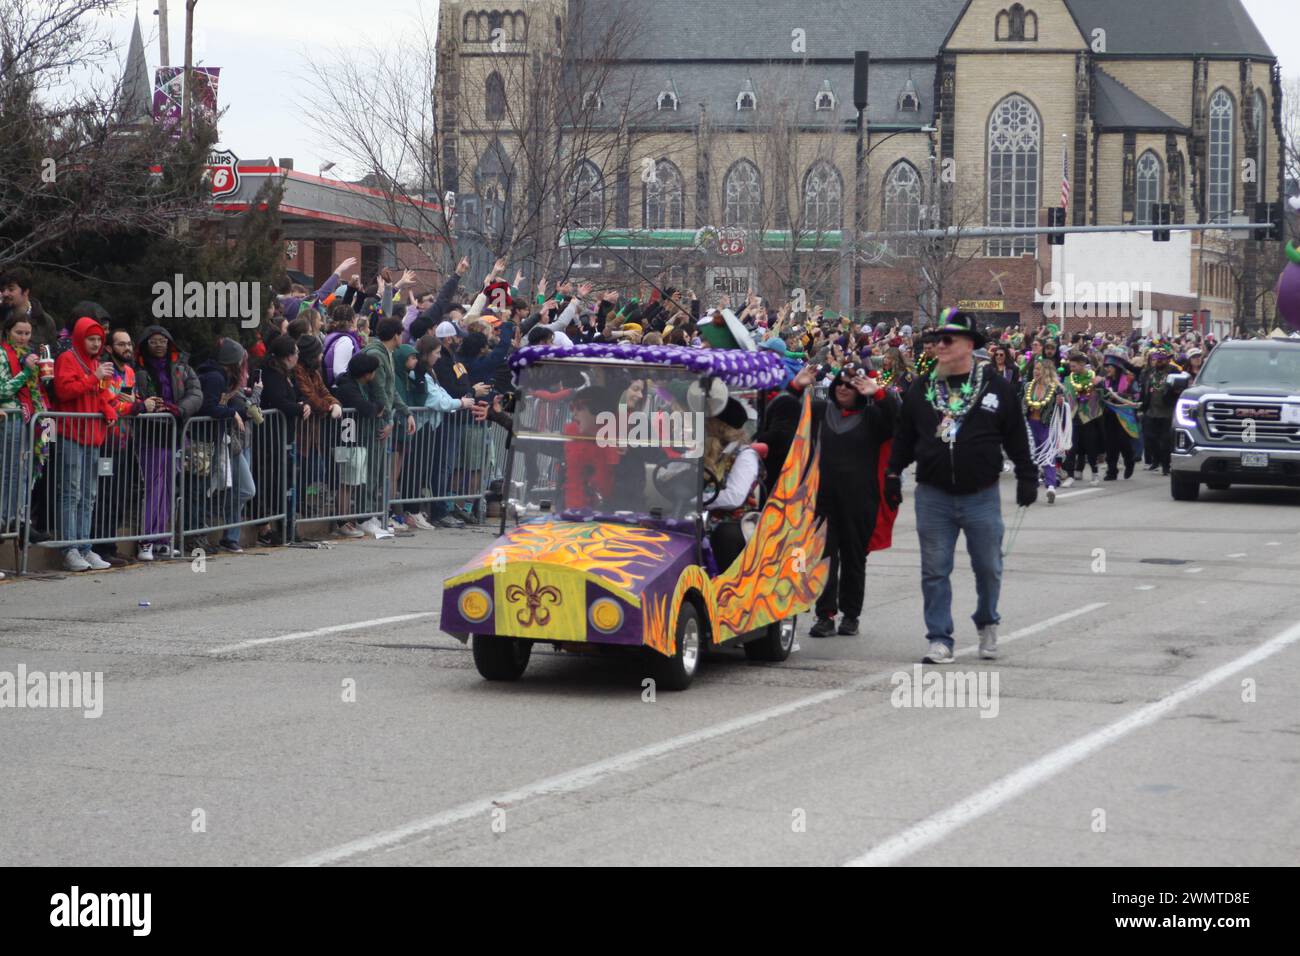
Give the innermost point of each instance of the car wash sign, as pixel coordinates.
(223, 173)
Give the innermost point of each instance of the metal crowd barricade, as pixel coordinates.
(219, 469)
(451, 457)
(15, 476)
(122, 490)
(343, 469)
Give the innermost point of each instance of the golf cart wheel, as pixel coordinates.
(775, 645)
(1184, 487)
(677, 672)
(500, 658)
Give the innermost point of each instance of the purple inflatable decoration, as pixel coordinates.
(1288, 290)
(762, 370)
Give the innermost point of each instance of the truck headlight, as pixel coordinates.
(1185, 412)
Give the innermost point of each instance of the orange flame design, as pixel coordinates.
(781, 572)
(610, 551)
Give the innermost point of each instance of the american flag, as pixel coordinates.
(1065, 177)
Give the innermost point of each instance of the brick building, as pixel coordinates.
(734, 120)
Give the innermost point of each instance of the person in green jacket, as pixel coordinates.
(383, 391)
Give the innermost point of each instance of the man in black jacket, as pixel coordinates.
(954, 424)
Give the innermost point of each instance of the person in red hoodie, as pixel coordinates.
(81, 386)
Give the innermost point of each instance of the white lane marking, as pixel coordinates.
(1145, 587)
(1193, 570)
(1075, 494)
(593, 773)
(1239, 555)
(936, 827)
(1273, 544)
(322, 631)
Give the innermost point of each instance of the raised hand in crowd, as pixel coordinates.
(462, 267)
(349, 263)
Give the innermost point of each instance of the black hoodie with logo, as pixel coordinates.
(973, 462)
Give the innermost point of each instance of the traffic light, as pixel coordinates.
(1163, 215)
(1056, 219)
(1271, 213)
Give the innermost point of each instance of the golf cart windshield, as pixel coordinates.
(594, 439)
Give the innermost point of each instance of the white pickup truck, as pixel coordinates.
(1239, 422)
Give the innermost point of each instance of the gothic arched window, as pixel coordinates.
(1150, 174)
(823, 198)
(1261, 141)
(495, 97)
(588, 196)
(1222, 117)
(1015, 145)
(902, 205)
(662, 205)
(742, 190)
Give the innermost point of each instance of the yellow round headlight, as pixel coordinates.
(475, 605)
(606, 615)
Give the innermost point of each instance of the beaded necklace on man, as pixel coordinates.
(926, 364)
(1083, 383)
(954, 407)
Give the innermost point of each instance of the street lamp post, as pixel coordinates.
(861, 77)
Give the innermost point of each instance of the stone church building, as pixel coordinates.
(718, 147)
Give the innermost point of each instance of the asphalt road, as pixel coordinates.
(1145, 714)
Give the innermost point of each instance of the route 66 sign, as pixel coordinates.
(731, 242)
(223, 173)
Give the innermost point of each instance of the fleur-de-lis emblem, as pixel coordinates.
(535, 596)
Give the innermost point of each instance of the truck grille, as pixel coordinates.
(1226, 421)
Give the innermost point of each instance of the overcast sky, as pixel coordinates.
(257, 45)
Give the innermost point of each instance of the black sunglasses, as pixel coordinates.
(946, 339)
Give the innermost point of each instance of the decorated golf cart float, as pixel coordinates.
(634, 568)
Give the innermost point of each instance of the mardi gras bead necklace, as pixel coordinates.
(925, 364)
(887, 378)
(1047, 399)
(1083, 383)
(953, 408)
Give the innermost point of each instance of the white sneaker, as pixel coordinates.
(420, 521)
(164, 551)
(144, 553)
(989, 642)
(73, 561)
(1096, 478)
(350, 530)
(399, 529)
(939, 653)
(1051, 496)
(96, 562)
(1067, 481)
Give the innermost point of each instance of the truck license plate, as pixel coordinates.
(1254, 459)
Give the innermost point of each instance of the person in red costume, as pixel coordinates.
(588, 467)
(81, 385)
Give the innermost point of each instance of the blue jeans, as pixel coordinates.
(939, 518)
(78, 484)
(243, 491)
(15, 474)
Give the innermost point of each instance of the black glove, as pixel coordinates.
(1026, 493)
(893, 491)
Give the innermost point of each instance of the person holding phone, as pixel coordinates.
(81, 375)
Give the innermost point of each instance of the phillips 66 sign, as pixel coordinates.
(223, 173)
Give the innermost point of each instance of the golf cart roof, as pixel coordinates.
(743, 370)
